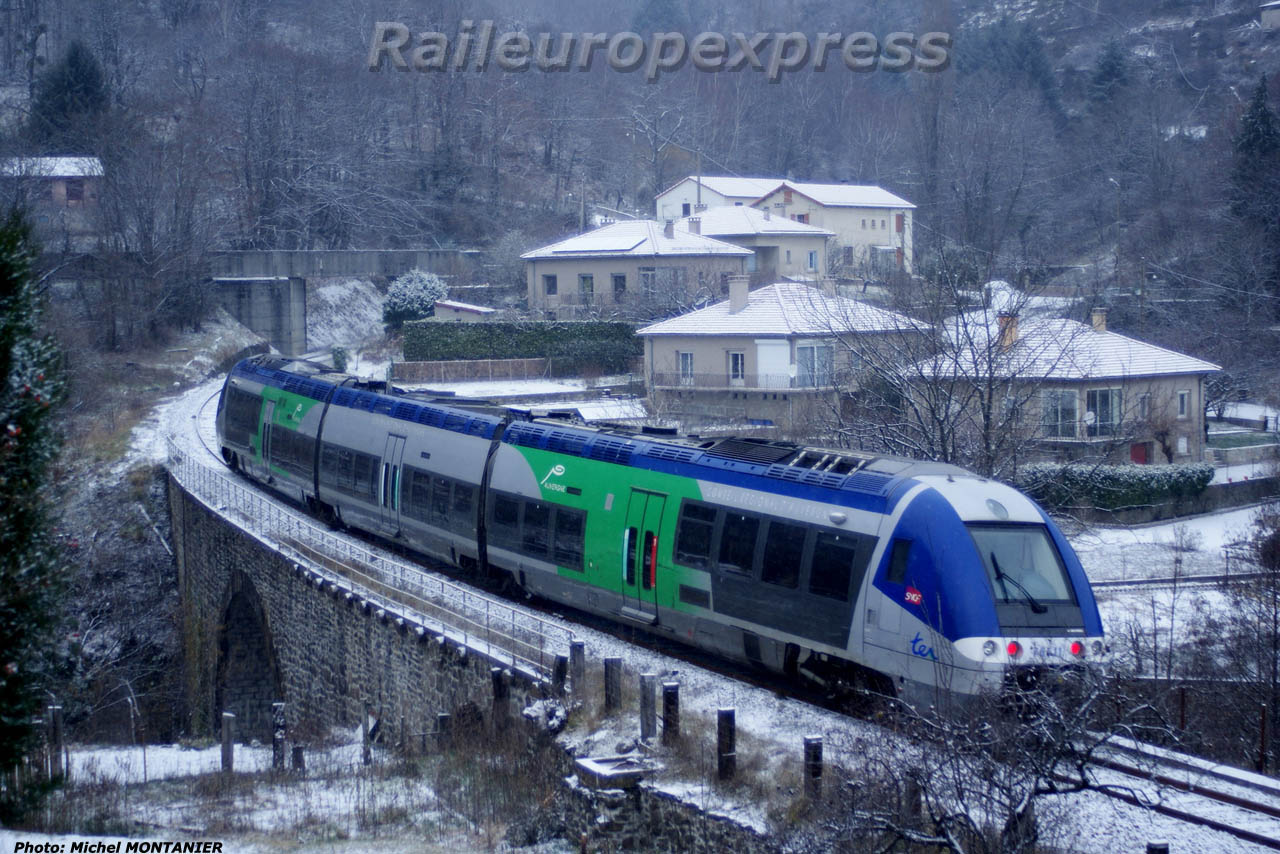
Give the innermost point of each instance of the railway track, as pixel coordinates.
(1203, 580)
(1192, 790)
(1184, 788)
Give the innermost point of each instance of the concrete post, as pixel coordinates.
(648, 705)
(578, 667)
(670, 712)
(726, 744)
(299, 760)
(228, 743)
(501, 690)
(612, 684)
(559, 674)
(57, 743)
(366, 749)
(277, 736)
(813, 767)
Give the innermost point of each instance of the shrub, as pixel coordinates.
(1062, 485)
(574, 346)
(340, 356)
(412, 297)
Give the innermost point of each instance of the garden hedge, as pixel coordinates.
(1118, 487)
(607, 346)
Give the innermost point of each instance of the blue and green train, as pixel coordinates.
(840, 567)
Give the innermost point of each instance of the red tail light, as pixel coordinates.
(1014, 649)
(1077, 649)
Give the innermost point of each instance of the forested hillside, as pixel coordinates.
(1096, 145)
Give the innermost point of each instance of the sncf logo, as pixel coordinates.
(914, 596)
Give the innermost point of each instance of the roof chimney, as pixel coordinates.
(1098, 319)
(695, 225)
(1008, 321)
(738, 289)
(669, 230)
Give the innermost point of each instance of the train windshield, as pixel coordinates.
(1023, 564)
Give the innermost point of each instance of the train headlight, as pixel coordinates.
(989, 647)
(1097, 647)
(1014, 649)
(1077, 649)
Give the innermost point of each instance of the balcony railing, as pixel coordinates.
(723, 381)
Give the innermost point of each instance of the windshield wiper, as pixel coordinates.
(1002, 578)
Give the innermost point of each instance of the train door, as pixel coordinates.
(640, 541)
(389, 483)
(268, 415)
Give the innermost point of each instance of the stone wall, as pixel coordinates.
(256, 629)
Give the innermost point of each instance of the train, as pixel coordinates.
(850, 570)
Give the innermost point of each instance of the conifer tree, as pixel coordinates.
(30, 570)
(68, 100)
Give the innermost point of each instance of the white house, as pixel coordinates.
(781, 247)
(872, 225)
(683, 198)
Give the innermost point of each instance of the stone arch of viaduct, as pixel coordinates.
(256, 630)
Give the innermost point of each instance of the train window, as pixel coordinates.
(570, 531)
(629, 547)
(416, 487)
(292, 451)
(462, 502)
(832, 567)
(243, 409)
(783, 554)
(897, 573)
(506, 521)
(537, 521)
(365, 475)
(440, 501)
(693, 534)
(738, 542)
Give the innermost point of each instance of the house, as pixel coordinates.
(1080, 390)
(872, 226)
(461, 312)
(1270, 15)
(768, 357)
(641, 265)
(780, 247)
(710, 191)
(62, 193)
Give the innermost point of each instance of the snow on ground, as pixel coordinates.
(343, 313)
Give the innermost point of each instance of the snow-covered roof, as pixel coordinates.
(784, 309)
(52, 167)
(844, 195)
(638, 238)
(1054, 349)
(725, 185)
(465, 306)
(743, 221)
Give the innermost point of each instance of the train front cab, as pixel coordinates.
(978, 593)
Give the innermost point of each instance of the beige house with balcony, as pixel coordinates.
(781, 248)
(1079, 390)
(768, 357)
(639, 266)
(872, 226)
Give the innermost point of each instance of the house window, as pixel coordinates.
(1012, 409)
(753, 262)
(619, 285)
(684, 209)
(648, 281)
(813, 365)
(1184, 404)
(812, 263)
(899, 222)
(788, 256)
(1182, 445)
(75, 189)
(848, 251)
(549, 285)
(864, 225)
(1105, 405)
(883, 225)
(1144, 407)
(1058, 414)
(802, 218)
(737, 368)
(873, 225)
(686, 368)
(586, 286)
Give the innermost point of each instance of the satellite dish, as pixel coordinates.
(1089, 418)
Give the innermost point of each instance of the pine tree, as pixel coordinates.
(1256, 167)
(30, 570)
(68, 101)
(1110, 75)
(412, 297)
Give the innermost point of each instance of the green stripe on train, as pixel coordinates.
(607, 491)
